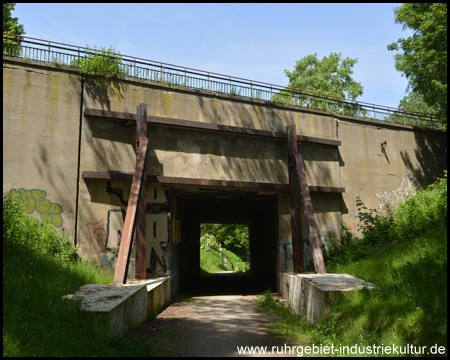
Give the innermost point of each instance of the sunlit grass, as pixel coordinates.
(407, 261)
(37, 320)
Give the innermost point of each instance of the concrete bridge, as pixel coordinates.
(69, 152)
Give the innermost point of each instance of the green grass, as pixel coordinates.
(210, 258)
(409, 305)
(39, 268)
(404, 253)
(210, 261)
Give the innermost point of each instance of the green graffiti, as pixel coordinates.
(35, 200)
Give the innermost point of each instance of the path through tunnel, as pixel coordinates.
(258, 210)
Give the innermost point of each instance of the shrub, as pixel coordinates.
(21, 229)
(425, 210)
(101, 62)
(419, 213)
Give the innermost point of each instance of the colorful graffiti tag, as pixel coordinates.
(105, 238)
(35, 200)
(98, 239)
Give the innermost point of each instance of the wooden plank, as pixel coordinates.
(120, 274)
(196, 125)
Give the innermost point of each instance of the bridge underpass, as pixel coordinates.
(258, 210)
(86, 142)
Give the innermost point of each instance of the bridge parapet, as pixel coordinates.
(25, 47)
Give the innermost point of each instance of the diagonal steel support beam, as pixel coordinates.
(120, 274)
(140, 228)
(319, 263)
(300, 190)
(296, 224)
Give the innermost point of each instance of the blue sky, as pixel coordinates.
(251, 41)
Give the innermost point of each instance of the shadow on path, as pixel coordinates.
(212, 325)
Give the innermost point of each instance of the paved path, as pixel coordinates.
(211, 325)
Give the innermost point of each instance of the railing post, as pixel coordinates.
(18, 47)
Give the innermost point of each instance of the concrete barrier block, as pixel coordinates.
(313, 295)
(124, 306)
(158, 295)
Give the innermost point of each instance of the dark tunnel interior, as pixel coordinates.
(257, 210)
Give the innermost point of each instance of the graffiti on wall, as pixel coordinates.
(98, 238)
(105, 235)
(288, 256)
(398, 195)
(35, 200)
(157, 266)
(286, 250)
(105, 238)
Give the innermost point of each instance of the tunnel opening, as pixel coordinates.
(257, 211)
(224, 249)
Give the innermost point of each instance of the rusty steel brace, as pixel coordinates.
(298, 184)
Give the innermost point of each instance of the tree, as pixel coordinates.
(330, 76)
(424, 58)
(233, 237)
(11, 25)
(415, 102)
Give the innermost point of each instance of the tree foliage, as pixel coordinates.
(11, 25)
(423, 60)
(233, 237)
(415, 102)
(331, 76)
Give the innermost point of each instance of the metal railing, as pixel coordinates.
(46, 51)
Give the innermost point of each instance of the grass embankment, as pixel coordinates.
(404, 253)
(211, 260)
(40, 266)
